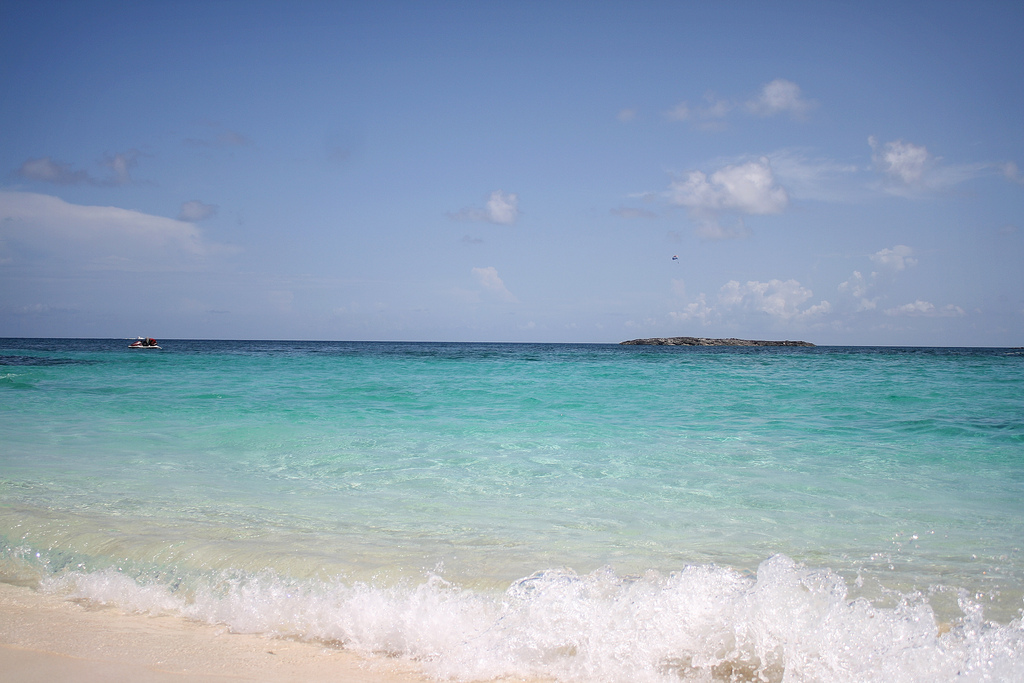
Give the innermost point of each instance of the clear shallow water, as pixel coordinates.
(588, 512)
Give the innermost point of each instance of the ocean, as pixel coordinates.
(589, 512)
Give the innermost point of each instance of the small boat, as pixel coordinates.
(144, 343)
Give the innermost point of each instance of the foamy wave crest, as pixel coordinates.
(704, 623)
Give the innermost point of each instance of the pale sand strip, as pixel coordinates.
(47, 638)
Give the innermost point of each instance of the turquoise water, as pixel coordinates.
(536, 510)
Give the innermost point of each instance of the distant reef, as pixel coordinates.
(703, 341)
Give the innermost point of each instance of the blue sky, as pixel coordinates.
(844, 173)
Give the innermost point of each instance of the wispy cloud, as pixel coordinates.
(121, 166)
(779, 96)
(626, 115)
(680, 112)
(50, 170)
(219, 136)
(911, 170)
(632, 212)
(898, 167)
(859, 286)
(488, 279)
(868, 290)
(195, 211)
(716, 107)
(816, 178)
(710, 116)
(925, 309)
(1011, 172)
(718, 202)
(502, 209)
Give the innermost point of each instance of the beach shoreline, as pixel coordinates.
(49, 638)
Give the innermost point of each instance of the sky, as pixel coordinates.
(840, 173)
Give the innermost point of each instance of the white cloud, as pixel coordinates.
(195, 211)
(489, 280)
(896, 259)
(777, 298)
(42, 226)
(502, 208)
(780, 96)
(747, 188)
(925, 308)
(903, 161)
(626, 115)
(783, 300)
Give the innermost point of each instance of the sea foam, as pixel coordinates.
(702, 623)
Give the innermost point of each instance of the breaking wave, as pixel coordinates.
(702, 623)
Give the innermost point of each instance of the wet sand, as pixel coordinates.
(47, 638)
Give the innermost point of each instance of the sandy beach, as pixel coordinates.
(48, 638)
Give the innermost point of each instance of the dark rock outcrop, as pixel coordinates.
(703, 341)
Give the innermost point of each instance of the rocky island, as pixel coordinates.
(703, 341)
